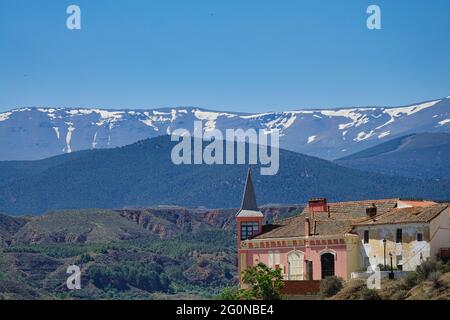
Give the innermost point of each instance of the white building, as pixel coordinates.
(411, 233)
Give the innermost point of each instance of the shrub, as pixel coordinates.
(84, 258)
(203, 263)
(435, 279)
(369, 294)
(399, 295)
(381, 266)
(445, 267)
(228, 294)
(410, 280)
(425, 269)
(330, 286)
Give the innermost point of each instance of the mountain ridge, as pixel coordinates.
(143, 175)
(424, 156)
(40, 132)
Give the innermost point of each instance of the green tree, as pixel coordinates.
(265, 283)
(228, 294)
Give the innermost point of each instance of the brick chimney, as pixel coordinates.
(317, 205)
(307, 227)
(371, 211)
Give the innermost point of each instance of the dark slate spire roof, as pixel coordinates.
(249, 198)
(249, 207)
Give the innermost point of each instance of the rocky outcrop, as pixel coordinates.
(209, 269)
(8, 227)
(125, 224)
(167, 222)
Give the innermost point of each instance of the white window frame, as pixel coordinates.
(296, 266)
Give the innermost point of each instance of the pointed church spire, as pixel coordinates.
(249, 198)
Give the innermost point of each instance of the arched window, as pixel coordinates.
(327, 264)
(295, 261)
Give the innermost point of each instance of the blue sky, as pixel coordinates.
(242, 55)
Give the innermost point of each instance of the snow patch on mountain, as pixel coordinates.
(50, 112)
(94, 142)
(157, 117)
(256, 116)
(280, 122)
(397, 112)
(210, 118)
(21, 110)
(363, 136)
(311, 139)
(5, 116)
(384, 134)
(394, 112)
(56, 132)
(70, 130)
(354, 115)
(104, 116)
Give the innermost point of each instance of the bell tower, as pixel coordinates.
(249, 221)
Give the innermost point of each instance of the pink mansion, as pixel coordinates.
(328, 239)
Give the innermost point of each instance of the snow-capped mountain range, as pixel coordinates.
(36, 133)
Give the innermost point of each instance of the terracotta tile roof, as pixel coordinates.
(405, 215)
(418, 203)
(342, 215)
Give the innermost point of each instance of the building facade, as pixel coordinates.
(407, 234)
(336, 239)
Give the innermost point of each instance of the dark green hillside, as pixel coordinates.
(16, 170)
(424, 156)
(381, 148)
(142, 174)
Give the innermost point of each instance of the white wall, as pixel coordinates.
(410, 253)
(440, 233)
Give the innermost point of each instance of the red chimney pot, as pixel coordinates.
(317, 205)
